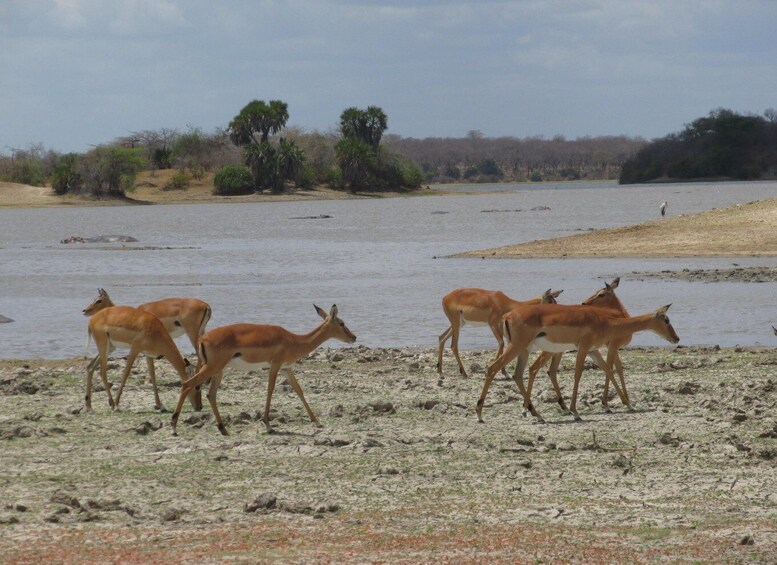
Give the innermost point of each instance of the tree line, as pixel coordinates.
(257, 151)
(721, 145)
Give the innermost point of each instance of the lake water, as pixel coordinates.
(378, 260)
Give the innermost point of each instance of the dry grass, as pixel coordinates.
(402, 471)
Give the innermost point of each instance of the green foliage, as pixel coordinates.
(535, 177)
(232, 180)
(188, 149)
(356, 160)
(723, 144)
(258, 117)
(367, 125)
(110, 170)
(161, 158)
(570, 173)
(179, 181)
(65, 177)
(25, 166)
(197, 171)
(488, 167)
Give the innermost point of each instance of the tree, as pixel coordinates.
(111, 170)
(65, 178)
(367, 125)
(258, 117)
(356, 159)
(251, 129)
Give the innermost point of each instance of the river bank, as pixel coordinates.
(401, 471)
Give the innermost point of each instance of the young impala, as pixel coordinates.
(250, 347)
(603, 298)
(477, 307)
(138, 331)
(178, 316)
(557, 328)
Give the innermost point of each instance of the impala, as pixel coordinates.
(140, 332)
(603, 298)
(557, 328)
(178, 316)
(478, 307)
(250, 347)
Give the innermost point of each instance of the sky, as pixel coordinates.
(79, 73)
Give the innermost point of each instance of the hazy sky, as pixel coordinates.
(74, 73)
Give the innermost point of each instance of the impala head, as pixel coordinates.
(336, 325)
(549, 296)
(663, 327)
(100, 303)
(604, 294)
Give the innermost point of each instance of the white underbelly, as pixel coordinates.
(469, 323)
(543, 344)
(239, 363)
(118, 344)
(176, 331)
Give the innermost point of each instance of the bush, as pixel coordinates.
(231, 180)
(179, 181)
(65, 178)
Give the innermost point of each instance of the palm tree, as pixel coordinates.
(356, 160)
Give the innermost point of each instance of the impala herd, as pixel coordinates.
(539, 324)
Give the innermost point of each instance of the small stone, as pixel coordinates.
(264, 501)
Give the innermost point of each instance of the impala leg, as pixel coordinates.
(455, 349)
(90, 367)
(104, 377)
(152, 378)
(508, 355)
(553, 375)
(619, 368)
(274, 368)
(131, 356)
(520, 367)
(186, 388)
(213, 389)
(496, 329)
(441, 346)
(612, 355)
(298, 389)
(579, 365)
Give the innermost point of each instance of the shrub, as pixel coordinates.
(231, 180)
(179, 181)
(65, 177)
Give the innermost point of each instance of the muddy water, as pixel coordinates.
(381, 261)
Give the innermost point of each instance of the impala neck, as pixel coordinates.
(630, 326)
(311, 340)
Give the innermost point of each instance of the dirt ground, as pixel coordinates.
(149, 189)
(742, 230)
(402, 471)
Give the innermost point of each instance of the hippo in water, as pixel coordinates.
(100, 239)
(4, 320)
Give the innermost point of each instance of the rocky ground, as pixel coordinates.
(736, 274)
(402, 471)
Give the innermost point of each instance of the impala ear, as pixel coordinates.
(555, 294)
(607, 286)
(320, 311)
(333, 311)
(661, 311)
(615, 282)
(775, 330)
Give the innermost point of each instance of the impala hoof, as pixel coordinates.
(607, 410)
(577, 418)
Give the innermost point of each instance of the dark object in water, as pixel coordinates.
(4, 320)
(99, 239)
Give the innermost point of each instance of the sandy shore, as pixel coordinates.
(742, 230)
(402, 471)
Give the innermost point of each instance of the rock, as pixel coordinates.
(382, 406)
(146, 427)
(172, 514)
(265, 501)
(65, 499)
(689, 388)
